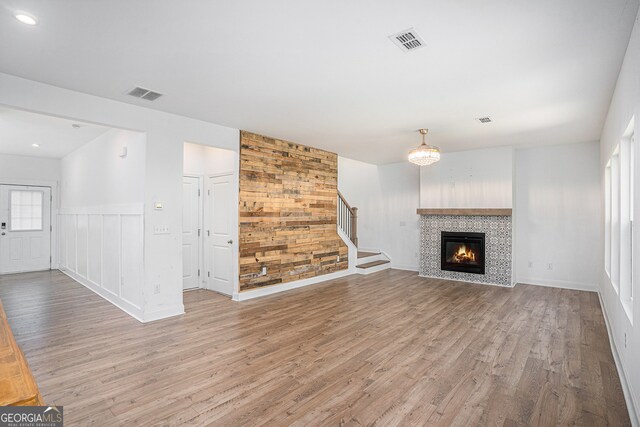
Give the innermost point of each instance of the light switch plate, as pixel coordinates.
(160, 229)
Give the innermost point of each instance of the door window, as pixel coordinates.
(26, 210)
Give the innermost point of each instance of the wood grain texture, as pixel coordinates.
(17, 386)
(288, 212)
(466, 211)
(389, 348)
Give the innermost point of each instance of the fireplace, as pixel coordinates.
(462, 252)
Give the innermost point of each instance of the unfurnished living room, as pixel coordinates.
(295, 213)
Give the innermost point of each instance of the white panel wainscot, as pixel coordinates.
(103, 250)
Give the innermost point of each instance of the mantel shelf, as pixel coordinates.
(466, 211)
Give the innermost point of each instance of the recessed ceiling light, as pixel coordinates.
(26, 18)
(35, 145)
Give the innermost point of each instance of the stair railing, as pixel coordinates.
(348, 219)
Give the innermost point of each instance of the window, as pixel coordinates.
(25, 210)
(615, 219)
(632, 177)
(607, 219)
(619, 186)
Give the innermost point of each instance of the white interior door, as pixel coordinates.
(25, 228)
(218, 243)
(191, 214)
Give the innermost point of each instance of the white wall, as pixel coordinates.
(203, 160)
(166, 134)
(625, 104)
(387, 197)
(27, 168)
(400, 184)
(558, 216)
(359, 183)
(469, 179)
(101, 233)
(95, 175)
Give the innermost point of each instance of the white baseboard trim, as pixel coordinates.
(564, 284)
(128, 308)
(632, 405)
(405, 267)
(274, 289)
(177, 310)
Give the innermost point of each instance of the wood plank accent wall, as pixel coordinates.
(288, 212)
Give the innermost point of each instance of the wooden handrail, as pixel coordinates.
(348, 218)
(345, 201)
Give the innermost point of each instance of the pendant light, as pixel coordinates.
(425, 154)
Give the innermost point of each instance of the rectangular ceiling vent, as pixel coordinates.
(407, 40)
(142, 93)
(484, 119)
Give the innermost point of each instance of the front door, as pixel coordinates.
(25, 228)
(191, 209)
(218, 222)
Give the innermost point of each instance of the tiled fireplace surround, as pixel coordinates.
(498, 242)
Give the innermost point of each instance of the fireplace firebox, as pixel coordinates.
(463, 252)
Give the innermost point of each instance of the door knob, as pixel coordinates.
(228, 241)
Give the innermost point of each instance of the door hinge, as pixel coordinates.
(198, 272)
(198, 192)
(208, 274)
(51, 228)
(198, 232)
(208, 192)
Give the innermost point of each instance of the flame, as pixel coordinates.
(464, 255)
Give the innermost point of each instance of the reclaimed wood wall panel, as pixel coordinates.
(288, 212)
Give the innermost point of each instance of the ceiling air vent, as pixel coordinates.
(484, 119)
(407, 40)
(142, 93)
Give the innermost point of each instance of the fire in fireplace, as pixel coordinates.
(462, 252)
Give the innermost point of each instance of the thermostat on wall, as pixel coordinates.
(158, 206)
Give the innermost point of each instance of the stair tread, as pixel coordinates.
(362, 254)
(373, 263)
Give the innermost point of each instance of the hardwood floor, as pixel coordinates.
(388, 349)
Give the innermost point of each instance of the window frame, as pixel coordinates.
(11, 218)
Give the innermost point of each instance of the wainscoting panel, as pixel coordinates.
(104, 252)
(95, 249)
(82, 242)
(111, 253)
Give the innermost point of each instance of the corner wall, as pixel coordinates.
(101, 231)
(558, 216)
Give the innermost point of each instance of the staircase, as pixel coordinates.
(367, 262)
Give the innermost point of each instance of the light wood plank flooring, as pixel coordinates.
(387, 349)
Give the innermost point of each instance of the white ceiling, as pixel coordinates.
(56, 137)
(324, 73)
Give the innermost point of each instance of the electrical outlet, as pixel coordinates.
(530, 264)
(263, 271)
(338, 258)
(156, 288)
(550, 266)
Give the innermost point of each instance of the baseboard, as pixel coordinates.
(125, 306)
(274, 289)
(632, 405)
(165, 313)
(405, 267)
(564, 284)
